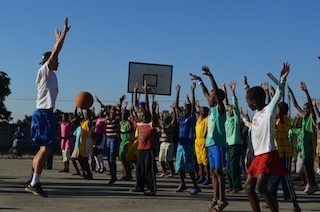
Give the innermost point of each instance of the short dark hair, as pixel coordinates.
(284, 108)
(45, 57)
(220, 93)
(257, 94)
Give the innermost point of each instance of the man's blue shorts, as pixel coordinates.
(43, 127)
(185, 158)
(217, 156)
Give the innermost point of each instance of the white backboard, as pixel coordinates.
(159, 77)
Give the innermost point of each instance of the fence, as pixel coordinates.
(7, 131)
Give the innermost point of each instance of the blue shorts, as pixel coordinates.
(43, 128)
(217, 157)
(185, 159)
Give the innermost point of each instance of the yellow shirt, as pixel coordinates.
(281, 137)
(86, 145)
(201, 128)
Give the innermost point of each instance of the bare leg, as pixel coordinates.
(262, 187)
(250, 186)
(75, 165)
(221, 183)
(40, 159)
(215, 185)
(171, 166)
(201, 172)
(163, 166)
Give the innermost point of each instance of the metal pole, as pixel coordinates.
(289, 103)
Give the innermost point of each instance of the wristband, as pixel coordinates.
(200, 82)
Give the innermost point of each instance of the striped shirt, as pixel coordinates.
(112, 128)
(166, 133)
(282, 141)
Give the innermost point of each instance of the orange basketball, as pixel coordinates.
(84, 100)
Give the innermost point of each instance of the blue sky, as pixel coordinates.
(234, 38)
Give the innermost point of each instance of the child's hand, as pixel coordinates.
(285, 70)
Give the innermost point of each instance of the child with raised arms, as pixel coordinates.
(267, 161)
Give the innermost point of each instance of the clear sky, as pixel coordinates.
(234, 38)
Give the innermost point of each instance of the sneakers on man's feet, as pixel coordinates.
(36, 190)
(27, 183)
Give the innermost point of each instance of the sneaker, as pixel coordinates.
(201, 180)
(318, 171)
(36, 190)
(306, 189)
(27, 183)
(170, 175)
(195, 191)
(181, 188)
(207, 182)
(149, 193)
(313, 188)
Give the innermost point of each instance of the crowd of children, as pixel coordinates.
(205, 142)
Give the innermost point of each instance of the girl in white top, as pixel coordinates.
(266, 161)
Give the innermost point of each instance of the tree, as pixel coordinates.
(5, 91)
(26, 120)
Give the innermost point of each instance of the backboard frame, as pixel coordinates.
(155, 78)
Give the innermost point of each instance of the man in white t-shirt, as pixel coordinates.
(43, 125)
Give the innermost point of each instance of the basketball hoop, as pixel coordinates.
(152, 90)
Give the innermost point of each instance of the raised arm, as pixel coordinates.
(245, 82)
(314, 103)
(146, 97)
(304, 88)
(236, 110)
(100, 103)
(224, 88)
(193, 101)
(294, 101)
(280, 89)
(135, 97)
(215, 89)
(203, 87)
(265, 87)
(122, 98)
(174, 116)
(177, 97)
(53, 59)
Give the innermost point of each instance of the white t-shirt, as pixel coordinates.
(263, 125)
(47, 87)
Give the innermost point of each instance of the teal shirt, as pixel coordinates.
(232, 124)
(216, 134)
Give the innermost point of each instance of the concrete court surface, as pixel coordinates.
(72, 194)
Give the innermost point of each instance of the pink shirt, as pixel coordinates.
(100, 126)
(66, 135)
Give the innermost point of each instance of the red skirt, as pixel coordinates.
(268, 163)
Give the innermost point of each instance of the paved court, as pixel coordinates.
(72, 194)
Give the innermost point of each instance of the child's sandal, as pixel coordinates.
(213, 203)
